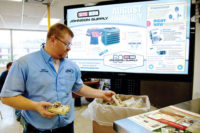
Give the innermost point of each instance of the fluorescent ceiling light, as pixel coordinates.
(90, 4)
(16, 0)
(52, 21)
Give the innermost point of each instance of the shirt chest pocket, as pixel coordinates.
(67, 79)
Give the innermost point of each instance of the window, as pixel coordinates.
(5, 47)
(25, 42)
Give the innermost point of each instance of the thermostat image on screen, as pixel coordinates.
(134, 37)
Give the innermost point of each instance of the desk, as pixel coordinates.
(192, 105)
(127, 126)
(95, 84)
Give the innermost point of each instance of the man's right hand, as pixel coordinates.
(42, 109)
(23, 103)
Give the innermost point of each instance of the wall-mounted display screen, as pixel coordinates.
(149, 37)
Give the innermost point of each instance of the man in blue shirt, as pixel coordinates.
(37, 80)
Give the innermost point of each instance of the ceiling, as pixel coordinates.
(27, 14)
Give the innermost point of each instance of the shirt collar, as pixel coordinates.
(45, 55)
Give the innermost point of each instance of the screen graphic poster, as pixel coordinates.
(141, 37)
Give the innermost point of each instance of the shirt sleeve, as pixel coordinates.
(78, 83)
(15, 82)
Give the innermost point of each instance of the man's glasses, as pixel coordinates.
(67, 45)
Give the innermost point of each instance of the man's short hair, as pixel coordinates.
(59, 30)
(8, 64)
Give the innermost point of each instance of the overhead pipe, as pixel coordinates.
(48, 3)
(22, 19)
(48, 15)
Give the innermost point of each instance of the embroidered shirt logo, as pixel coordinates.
(44, 70)
(69, 71)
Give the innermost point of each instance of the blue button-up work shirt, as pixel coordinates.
(34, 77)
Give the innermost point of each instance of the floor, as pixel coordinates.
(8, 123)
(81, 124)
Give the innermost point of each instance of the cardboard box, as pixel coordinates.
(102, 129)
(105, 115)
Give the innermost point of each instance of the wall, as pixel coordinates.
(196, 81)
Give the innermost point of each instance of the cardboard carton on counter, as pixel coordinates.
(102, 129)
(105, 114)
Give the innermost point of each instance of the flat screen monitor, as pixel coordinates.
(131, 37)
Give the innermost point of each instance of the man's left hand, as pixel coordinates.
(107, 95)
